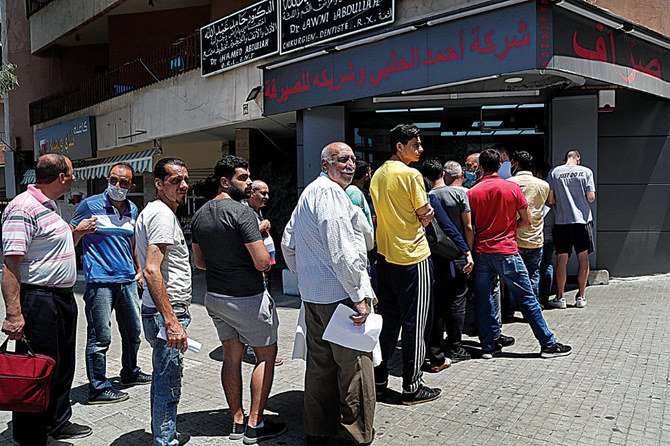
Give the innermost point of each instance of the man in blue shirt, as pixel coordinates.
(112, 277)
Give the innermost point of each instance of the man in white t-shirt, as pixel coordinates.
(164, 258)
(572, 189)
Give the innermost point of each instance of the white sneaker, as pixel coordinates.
(580, 302)
(557, 303)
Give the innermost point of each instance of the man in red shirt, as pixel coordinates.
(495, 204)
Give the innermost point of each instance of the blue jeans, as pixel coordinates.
(513, 272)
(532, 258)
(546, 272)
(166, 379)
(100, 299)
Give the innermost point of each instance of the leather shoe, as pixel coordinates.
(72, 430)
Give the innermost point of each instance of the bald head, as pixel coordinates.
(339, 163)
(472, 162)
(260, 194)
(50, 166)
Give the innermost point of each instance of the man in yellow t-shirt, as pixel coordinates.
(531, 238)
(404, 267)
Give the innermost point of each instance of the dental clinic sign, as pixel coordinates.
(306, 23)
(74, 139)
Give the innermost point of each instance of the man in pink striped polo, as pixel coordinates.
(37, 280)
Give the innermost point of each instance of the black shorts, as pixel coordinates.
(576, 236)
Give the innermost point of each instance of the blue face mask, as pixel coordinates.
(470, 178)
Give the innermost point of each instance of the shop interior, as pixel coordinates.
(453, 132)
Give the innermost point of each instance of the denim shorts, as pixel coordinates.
(251, 319)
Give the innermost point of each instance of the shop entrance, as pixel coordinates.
(452, 133)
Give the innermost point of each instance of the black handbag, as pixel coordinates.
(441, 245)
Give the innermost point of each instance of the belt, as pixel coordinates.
(49, 289)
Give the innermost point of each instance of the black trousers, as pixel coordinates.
(405, 294)
(51, 328)
(451, 293)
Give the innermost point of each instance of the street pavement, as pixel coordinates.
(613, 389)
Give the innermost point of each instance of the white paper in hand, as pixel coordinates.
(193, 345)
(342, 331)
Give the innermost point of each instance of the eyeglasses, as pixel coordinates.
(176, 181)
(344, 159)
(123, 183)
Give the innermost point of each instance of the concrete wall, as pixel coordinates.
(574, 125)
(634, 186)
(654, 14)
(61, 17)
(35, 76)
(318, 127)
(183, 104)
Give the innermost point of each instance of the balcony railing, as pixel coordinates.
(32, 6)
(167, 61)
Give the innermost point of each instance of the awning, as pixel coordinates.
(99, 168)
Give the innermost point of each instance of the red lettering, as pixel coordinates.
(544, 27)
(545, 64)
(544, 10)
(545, 37)
(544, 54)
(544, 19)
(545, 46)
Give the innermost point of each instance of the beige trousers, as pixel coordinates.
(339, 383)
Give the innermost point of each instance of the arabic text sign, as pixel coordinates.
(492, 43)
(309, 22)
(242, 37)
(74, 139)
(623, 58)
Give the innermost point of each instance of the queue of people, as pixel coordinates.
(137, 265)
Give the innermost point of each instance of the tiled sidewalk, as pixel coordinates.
(612, 390)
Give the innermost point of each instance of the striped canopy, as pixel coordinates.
(99, 168)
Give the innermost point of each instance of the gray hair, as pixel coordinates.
(453, 169)
(325, 154)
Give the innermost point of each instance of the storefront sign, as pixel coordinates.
(74, 139)
(587, 47)
(492, 43)
(242, 37)
(306, 23)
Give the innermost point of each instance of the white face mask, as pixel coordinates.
(116, 193)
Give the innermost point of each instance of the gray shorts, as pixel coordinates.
(251, 319)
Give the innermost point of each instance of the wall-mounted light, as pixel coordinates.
(253, 94)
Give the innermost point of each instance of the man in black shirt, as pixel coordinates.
(227, 244)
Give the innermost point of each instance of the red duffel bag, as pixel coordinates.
(25, 379)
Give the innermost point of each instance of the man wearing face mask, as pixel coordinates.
(505, 170)
(112, 276)
(472, 171)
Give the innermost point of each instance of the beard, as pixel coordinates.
(236, 193)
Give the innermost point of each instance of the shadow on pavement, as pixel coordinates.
(6, 437)
(79, 394)
(137, 437)
(218, 423)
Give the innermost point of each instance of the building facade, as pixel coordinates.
(274, 80)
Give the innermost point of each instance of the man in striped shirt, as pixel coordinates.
(38, 275)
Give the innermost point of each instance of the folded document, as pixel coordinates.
(342, 331)
(193, 345)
